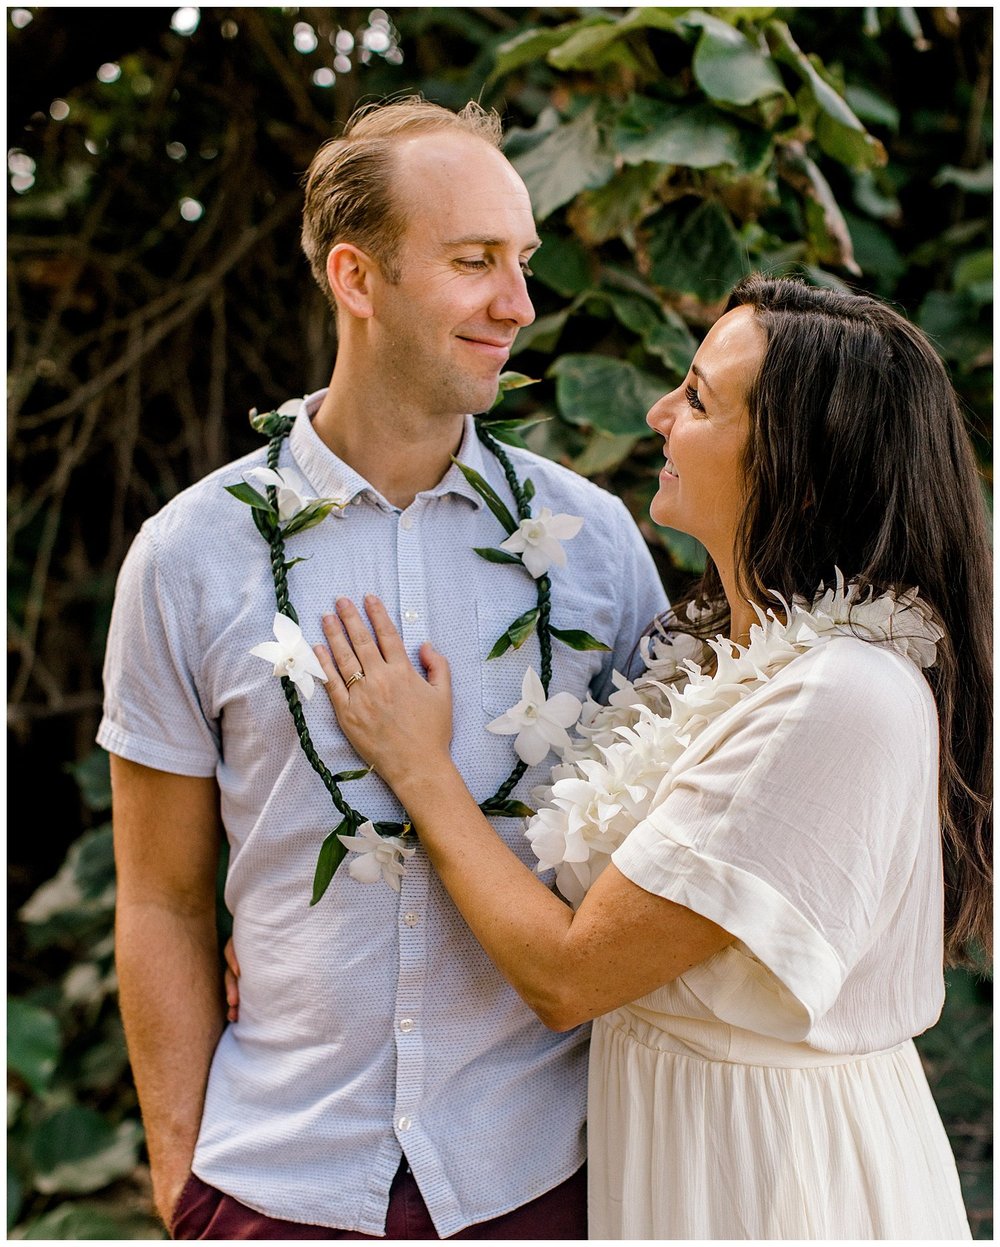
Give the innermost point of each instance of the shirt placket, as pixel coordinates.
(414, 891)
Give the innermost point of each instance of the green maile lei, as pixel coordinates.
(264, 509)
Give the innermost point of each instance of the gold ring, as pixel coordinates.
(358, 675)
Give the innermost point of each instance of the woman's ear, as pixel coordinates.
(349, 271)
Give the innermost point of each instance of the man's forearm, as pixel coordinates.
(172, 1007)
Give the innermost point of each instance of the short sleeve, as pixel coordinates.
(152, 711)
(642, 597)
(796, 828)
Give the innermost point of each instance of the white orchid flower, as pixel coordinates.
(378, 857)
(540, 722)
(293, 492)
(291, 655)
(537, 540)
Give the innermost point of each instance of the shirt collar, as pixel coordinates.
(331, 477)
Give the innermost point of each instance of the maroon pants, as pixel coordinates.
(204, 1212)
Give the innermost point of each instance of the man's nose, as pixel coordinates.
(512, 302)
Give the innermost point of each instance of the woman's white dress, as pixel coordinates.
(773, 1092)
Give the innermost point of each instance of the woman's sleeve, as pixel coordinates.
(797, 829)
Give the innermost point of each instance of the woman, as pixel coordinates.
(760, 949)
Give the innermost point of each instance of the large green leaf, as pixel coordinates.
(829, 237)
(696, 136)
(598, 42)
(32, 1043)
(616, 209)
(542, 334)
(93, 778)
(79, 1221)
(532, 45)
(15, 1195)
(663, 333)
(572, 158)
(687, 554)
(76, 1150)
(604, 452)
(696, 252)
(610, 394)
(80, 893)
(562, 264)
(838, 130)
(728, 67)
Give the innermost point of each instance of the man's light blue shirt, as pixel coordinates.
(372, 1024)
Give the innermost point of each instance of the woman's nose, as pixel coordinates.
(658, 417)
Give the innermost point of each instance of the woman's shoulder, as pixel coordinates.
(865, 680)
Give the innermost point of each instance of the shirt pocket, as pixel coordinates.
(572, 670)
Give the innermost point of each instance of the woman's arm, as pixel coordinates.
(623, 941)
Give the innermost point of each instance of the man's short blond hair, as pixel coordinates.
(349, 191)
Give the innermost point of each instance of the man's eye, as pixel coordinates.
(473, 264)
(526, 269)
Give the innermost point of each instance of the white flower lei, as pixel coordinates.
(607, 780)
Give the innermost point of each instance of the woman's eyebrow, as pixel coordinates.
(703, 379)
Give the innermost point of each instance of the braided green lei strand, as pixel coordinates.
(537, 619)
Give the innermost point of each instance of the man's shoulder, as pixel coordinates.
(556, 484)
(204, 508)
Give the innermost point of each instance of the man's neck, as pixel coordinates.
(398, 450)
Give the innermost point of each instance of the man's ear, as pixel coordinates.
(349, 271)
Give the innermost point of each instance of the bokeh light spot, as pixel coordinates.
(19, 18)
(110, 71)
(185, 21)
(191, 209)
(324, 77)
(58, 110)
(304, 37)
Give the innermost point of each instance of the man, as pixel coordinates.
(382, 1079)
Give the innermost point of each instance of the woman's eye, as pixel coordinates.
(691, 394)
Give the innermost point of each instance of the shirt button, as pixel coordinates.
(404, 1123)
(411, 615)
(407, 521)
(406, 1025)
(411, 919)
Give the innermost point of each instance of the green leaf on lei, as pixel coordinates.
(488, 494)
(270, 423)
(331, 854)
(266, 524)
(359, 774)
(392, 829)
(516, 634)
(497, 556)
(309, 516)
(577, 639)
(507, 809)
(246, 493)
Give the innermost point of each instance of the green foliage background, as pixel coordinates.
(157, 293)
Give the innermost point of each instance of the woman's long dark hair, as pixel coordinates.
(858, 458)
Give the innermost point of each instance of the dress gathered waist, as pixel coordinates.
(708, 1039)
